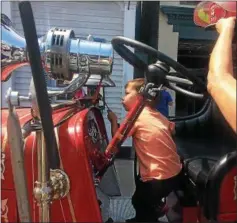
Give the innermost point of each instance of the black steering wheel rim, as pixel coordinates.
(119, 43)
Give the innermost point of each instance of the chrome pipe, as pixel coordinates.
(45, 173)
(17, 143)
(73, 86)
(43, 189)
(39, 163)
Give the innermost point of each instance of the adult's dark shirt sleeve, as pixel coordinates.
(169, 98)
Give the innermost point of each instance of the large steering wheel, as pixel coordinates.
(119, 43)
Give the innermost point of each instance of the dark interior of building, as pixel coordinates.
(195, 56)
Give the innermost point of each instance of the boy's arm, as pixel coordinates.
(173, 132)
(172, 128)
(114, 127)
(114, 122)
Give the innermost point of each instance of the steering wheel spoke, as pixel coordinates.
(119, 43)
(178, 80)
(186, 92)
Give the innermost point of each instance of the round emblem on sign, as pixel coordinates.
(93, 130)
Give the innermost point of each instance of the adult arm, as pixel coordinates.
(221, 83)
(115, 125)
(169, 99)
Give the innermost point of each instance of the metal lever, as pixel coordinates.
(76, 84)
(108, 109)
(16, 143)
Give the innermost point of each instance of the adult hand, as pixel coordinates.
(225, 23)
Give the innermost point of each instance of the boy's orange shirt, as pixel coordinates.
(155, 148)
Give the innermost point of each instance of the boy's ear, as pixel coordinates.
(141, 89)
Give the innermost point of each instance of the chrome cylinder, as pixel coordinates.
(62, 53)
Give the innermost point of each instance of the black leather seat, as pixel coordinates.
(203, 141)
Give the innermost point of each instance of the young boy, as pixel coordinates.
(159, 163)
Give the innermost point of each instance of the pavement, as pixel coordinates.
(124, 170)
(119, 208)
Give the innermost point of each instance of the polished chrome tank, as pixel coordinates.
(62, 54)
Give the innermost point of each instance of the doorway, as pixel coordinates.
(194, 55)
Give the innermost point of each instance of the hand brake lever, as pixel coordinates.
(108, 109)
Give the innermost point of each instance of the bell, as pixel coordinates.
(62, 54)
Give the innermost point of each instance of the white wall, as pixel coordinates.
(129, 31)
(6, 9)
(168, 44)
(170, 3)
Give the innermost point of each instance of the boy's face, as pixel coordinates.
(129, 97)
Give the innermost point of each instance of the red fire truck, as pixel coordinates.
(54, 158)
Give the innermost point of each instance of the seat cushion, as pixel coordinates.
(199, 156)
(206, 163)
(204, 142)
(208, 147)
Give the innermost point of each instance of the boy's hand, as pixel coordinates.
(112, 117)
(114, 122)
(224, 23)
